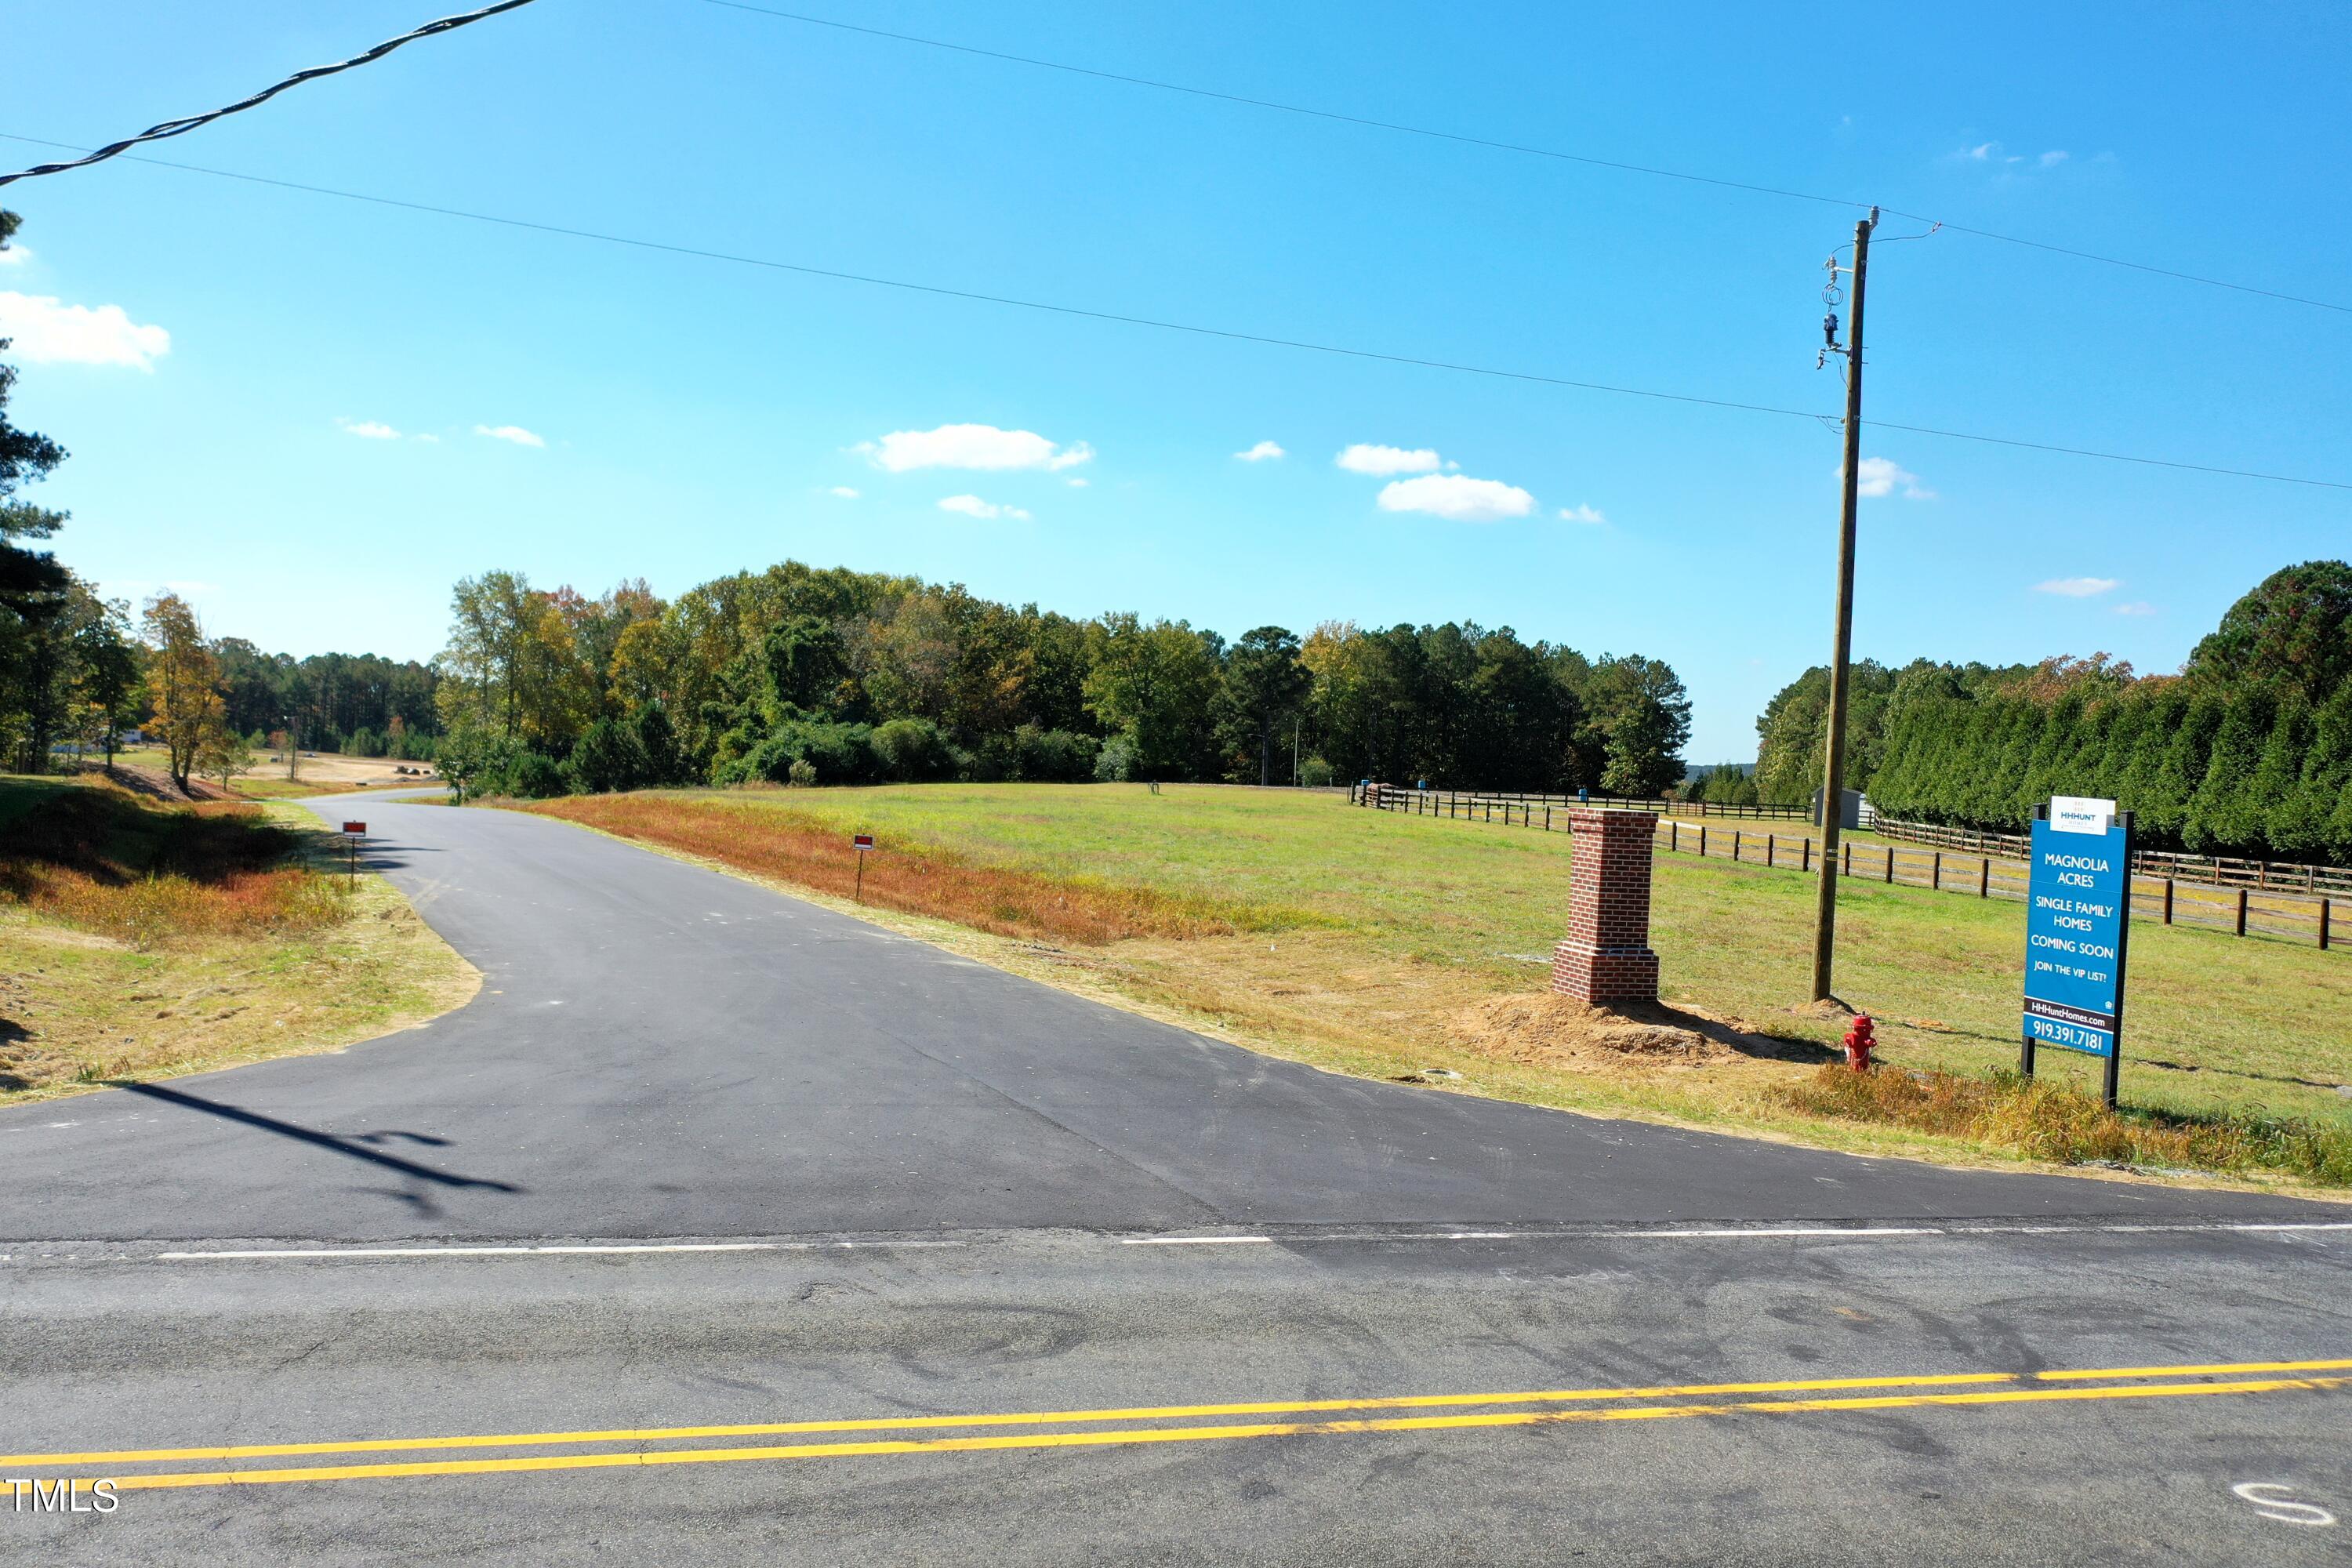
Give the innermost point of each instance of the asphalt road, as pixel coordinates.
(1023, 1255)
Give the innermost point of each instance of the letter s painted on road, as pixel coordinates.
(2284, 1509)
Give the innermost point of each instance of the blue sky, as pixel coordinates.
(689, 417)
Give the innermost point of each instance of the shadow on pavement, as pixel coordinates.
(352, 1148)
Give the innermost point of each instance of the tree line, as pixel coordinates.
(804, 674)
(2246, 752)
(361, 703)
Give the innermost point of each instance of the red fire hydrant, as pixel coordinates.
(1859, 1039)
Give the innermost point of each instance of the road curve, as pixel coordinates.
(660, 1050)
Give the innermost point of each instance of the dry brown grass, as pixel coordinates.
(914, 878)
(102, 859)
(149, 912)
(2051, 1121)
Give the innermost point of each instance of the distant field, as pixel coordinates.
(1364, 938)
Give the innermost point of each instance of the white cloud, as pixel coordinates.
(49, 331)
(15, 256)
(515, 433)
(1383, 461)
(1581, 513)
(1882, 476)
(844, 491)
(2138, 607)
(372, 429)
(1457, 497)
(1265, 451)
(971, 446)
(2078, 587)
(972, 506)
(435, 440)
(1076, 484)
(1990, 153)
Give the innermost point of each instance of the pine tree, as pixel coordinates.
(2278, 781)
(2303, 827)
(2220, 819)
(2174, 779)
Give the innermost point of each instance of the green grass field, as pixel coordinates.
(1384, 926)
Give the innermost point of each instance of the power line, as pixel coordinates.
(1156, 323)
(1404, 129)
(170, 128)
(1466, 141)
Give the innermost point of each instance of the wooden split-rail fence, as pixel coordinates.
(2158, 893)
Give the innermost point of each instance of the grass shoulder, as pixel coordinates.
(140, 939)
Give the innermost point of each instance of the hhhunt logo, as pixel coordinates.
(2073, 814)
(27, 1495)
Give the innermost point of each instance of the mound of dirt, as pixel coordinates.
(1543, 1027)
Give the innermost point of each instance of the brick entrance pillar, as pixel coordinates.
(1607, 955)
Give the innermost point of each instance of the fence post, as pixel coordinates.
(1805, 853)
(2168, 901)
(1936, 875)
(2322, 925)
(1848, 871)
(1702, 838)
(1674, 837)
(1771, 840)
(1547, 819)
(1735, 844)
(2241, 911)
(1890, 865)
(1984, 876)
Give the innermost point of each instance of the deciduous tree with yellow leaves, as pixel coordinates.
(183, 684)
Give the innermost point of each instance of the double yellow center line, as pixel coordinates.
(1206, 1423)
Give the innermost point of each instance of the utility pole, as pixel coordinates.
(1841, 643)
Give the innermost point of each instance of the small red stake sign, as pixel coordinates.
(353, 832)
(861, 842)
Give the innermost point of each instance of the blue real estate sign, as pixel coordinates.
(2079, 901)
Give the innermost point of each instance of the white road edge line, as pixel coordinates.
(534, 1251)
(1725, 1233)
(461, 1251)
(1775, 1230)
